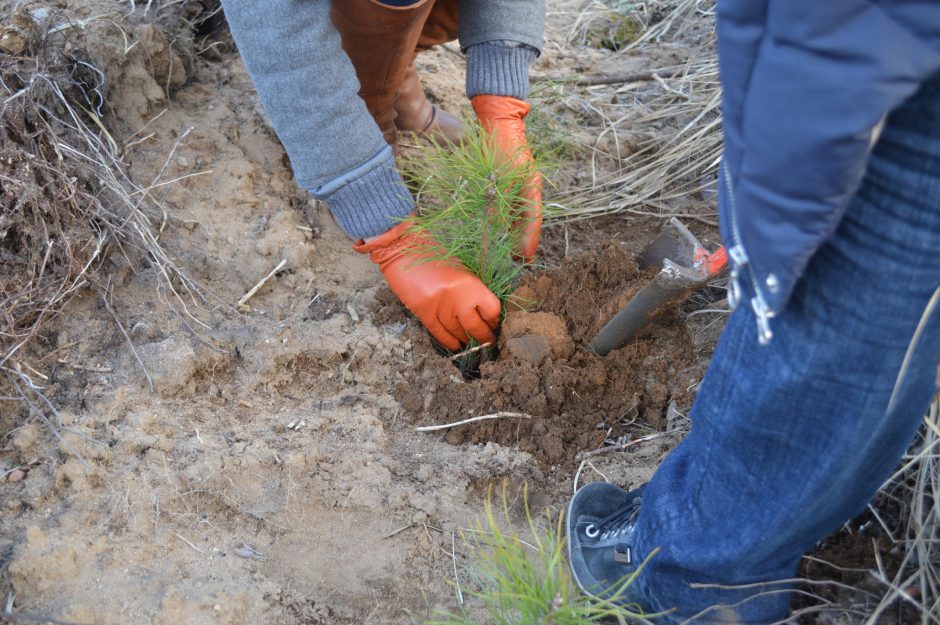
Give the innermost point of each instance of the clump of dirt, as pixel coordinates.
(571, 399)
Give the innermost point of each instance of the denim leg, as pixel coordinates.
(791, 439)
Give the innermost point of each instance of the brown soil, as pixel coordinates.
(573, 400)
(272, 476)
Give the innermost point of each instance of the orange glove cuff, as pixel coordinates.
(492, 107)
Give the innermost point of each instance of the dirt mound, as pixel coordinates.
(576, 400)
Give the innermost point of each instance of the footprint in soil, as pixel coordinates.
(543, 369)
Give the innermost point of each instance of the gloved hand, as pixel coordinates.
(450, 301)
(503, 118)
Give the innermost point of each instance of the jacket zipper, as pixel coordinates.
(739, 261)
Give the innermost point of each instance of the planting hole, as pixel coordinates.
(542, 368)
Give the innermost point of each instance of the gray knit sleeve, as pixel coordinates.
(521, 21)
(501, 38)
(309, 89)
(369, 199)
(499, 68)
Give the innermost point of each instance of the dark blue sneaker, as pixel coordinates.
(601, 518)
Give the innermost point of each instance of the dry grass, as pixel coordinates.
(915, 487)
(658, 136)
(66, 201)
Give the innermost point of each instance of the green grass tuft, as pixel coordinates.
(616, 33)
(527, 583)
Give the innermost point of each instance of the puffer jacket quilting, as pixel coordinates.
(805, 85)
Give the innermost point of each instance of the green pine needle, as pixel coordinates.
(470, 203)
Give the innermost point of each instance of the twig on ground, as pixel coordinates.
(242, 303)
(398, 531)
(470, 351)
(594, 80)
(91, 369)
(667, 88)
(584, 455)
(453, 554)
(190, 544)
(42, 415)
(495, 415)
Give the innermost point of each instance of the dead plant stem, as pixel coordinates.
(471, 350)
(42, 415)
(495, 415)
(243, 301)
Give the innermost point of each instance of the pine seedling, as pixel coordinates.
(471, 203)
(518, 582)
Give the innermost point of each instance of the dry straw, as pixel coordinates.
(915, 487)
(657, 132)
(66, 200)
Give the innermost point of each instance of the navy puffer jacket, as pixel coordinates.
(806, 83)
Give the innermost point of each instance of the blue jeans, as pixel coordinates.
(792, 439)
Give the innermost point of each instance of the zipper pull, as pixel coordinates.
(764, 333)
(738, 260)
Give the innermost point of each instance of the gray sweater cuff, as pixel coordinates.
(499, 69)
(370, 199)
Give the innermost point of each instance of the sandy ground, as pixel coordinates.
(273, 475)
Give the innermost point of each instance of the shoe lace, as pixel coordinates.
(619, 522)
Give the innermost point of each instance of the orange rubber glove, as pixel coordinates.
(503, 118)
(450, 301)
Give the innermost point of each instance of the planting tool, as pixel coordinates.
(685, 266)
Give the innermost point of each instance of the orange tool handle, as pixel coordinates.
(713, 263)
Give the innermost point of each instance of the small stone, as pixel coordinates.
(11, 40)
(16, 475)
(530, 348)
(547, 326)
(217, 607)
